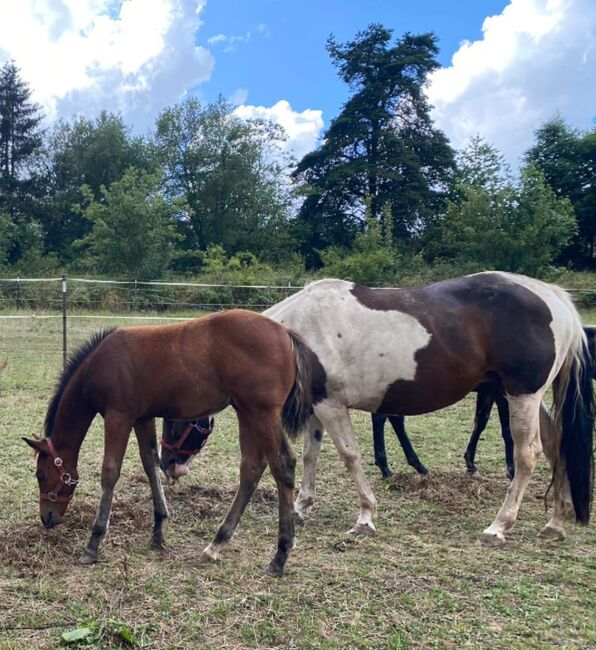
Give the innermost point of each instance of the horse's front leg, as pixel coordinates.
(398, 422)
(147, 439)
(378, 426)
(337, 423)
(116, 432)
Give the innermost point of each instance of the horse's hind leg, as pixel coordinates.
(398, 422)
(282, 463)
(484, 404)
(337, 423)
(116, 433)
(524, 418)
(146, 437)
(310, 454)
(252, 465)
(503, 408)
(563, 510)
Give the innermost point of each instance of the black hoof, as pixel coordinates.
(275, 570)
(87, 557)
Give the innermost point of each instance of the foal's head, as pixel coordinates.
(181, 441)
(57, 478)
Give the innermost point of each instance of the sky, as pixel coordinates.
(507, 65)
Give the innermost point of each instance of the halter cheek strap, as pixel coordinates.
(176, 446)
(66, 479)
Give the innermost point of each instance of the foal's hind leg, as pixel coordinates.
(524, 417)
(337, 423)
(117, 431)
(313, 436)
(146, 437)
(252, 465)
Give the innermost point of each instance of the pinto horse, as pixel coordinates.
(413, 351)
(132, 375)
(487, 395)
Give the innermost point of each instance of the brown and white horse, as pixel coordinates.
(412, 351)
(134, 374)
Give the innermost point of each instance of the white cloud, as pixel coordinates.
(303, 128)
(537, 58)
(79, 56)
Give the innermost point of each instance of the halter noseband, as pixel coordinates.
(176, 446)
(66, 479)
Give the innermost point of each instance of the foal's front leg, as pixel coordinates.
(147, 439)
(116, 432)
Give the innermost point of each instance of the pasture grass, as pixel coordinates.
(423, 581)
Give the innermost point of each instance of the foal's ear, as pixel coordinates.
(35, 444)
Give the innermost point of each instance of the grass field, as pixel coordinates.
(423, 581)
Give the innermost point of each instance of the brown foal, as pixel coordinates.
(132, 375)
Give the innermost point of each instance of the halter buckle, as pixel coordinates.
(58, 462)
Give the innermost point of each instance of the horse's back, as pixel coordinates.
(408, 351)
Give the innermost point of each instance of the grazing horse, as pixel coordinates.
(132, 375)
(412, 351)
(487, 394)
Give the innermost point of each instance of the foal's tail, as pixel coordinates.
(574, 410)
(308, 388)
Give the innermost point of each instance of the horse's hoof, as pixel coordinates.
(208, 556)
(87, 558)
(299, 518)
(510, 473)
(362, 529)
(492, 540)
(275, 570)
(474, 473)
(158, 545)
(554, 534)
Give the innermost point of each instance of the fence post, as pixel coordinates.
(64, 341)
(18, 293)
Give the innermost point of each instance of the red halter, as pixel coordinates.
(65, 478)
(176, 446)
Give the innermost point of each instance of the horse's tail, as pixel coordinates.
(574, 410)
(308, 388)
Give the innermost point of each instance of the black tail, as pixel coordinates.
(308, 388)
(577, 418)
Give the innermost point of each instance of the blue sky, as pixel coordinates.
(287, 58)
(507, 66)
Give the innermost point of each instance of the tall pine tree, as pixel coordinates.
(20, 140)
(382, 150)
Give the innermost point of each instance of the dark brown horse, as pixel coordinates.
(134, 374)
(487, 395)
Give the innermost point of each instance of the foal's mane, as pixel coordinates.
(75, 359)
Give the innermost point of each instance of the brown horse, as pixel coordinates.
(134, 374)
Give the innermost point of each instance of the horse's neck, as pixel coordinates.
(73, 419)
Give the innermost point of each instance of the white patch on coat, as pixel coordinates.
(363, 350)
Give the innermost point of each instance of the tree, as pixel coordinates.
(132, 229)
(516, 227)
(90, 153)
(230, 172)
(567, 159)
(20, 141)
(382, 149)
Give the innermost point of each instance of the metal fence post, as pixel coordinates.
(64, 340)
(18, 293)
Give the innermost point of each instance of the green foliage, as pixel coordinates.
(381, 150)
(229, 173)
(567, 159)
(91, 153)
(520, 228)
(132, 233)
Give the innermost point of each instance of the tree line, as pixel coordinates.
(383, 190)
